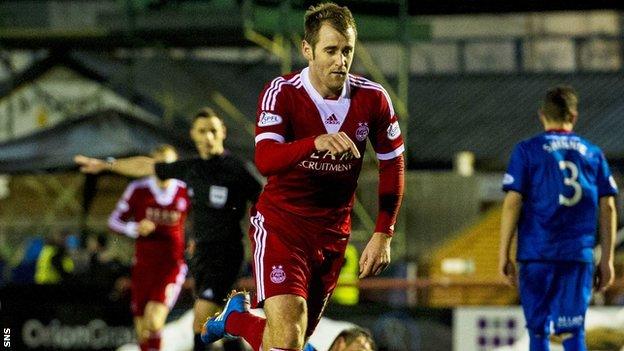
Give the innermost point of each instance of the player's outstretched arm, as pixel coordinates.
(509, 222)
(376, 255)
(139, 166)
(608, 224)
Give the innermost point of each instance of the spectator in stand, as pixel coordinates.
(54, 264)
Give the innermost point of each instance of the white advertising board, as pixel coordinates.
(502, 328)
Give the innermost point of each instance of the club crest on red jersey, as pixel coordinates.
(362, 132)
(278, 275)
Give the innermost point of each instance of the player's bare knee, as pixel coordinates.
(289, 337)
(155, 316)
(149, 325)
(154, 324)
(294, 328)
(286, 309)
(286, 320)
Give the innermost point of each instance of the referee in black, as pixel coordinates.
(221, 186)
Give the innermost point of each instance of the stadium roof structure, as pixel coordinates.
(110, 24)
(101, 134)
(450, 7)
(94, 73)
(127, 123)
(191, 84)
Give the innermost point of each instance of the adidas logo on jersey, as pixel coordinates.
(332, 119)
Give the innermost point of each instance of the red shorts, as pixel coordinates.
(158, 284)
(293, 255)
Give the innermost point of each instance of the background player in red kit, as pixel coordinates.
(222, 185)
(311, 129)
(153, 212)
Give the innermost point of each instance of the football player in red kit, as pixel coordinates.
(311, 130)
(153, 212)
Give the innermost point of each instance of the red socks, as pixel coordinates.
(250, 327)
(152, 343)
(246, 325)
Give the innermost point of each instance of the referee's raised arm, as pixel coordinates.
(138, 166)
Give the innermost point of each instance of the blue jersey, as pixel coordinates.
(561, 176)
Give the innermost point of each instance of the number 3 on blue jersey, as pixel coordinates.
(572, 181)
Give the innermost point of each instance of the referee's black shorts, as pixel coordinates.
(216, 266)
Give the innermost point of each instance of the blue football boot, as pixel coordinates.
(214, 328)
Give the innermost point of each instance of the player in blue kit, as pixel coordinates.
(559, 187)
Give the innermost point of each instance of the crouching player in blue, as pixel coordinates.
(559, 187)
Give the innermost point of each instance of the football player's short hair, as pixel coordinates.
(207, 112)
(351, 334)
(339, 17)
(560, 103)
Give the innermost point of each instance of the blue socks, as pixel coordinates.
(571, 341)
(575, 341)
(539, 341)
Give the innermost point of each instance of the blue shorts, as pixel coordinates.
(557, 292)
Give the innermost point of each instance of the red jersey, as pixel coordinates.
(321, 186)
(167, 208)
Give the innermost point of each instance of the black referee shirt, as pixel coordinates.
(219, 189)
